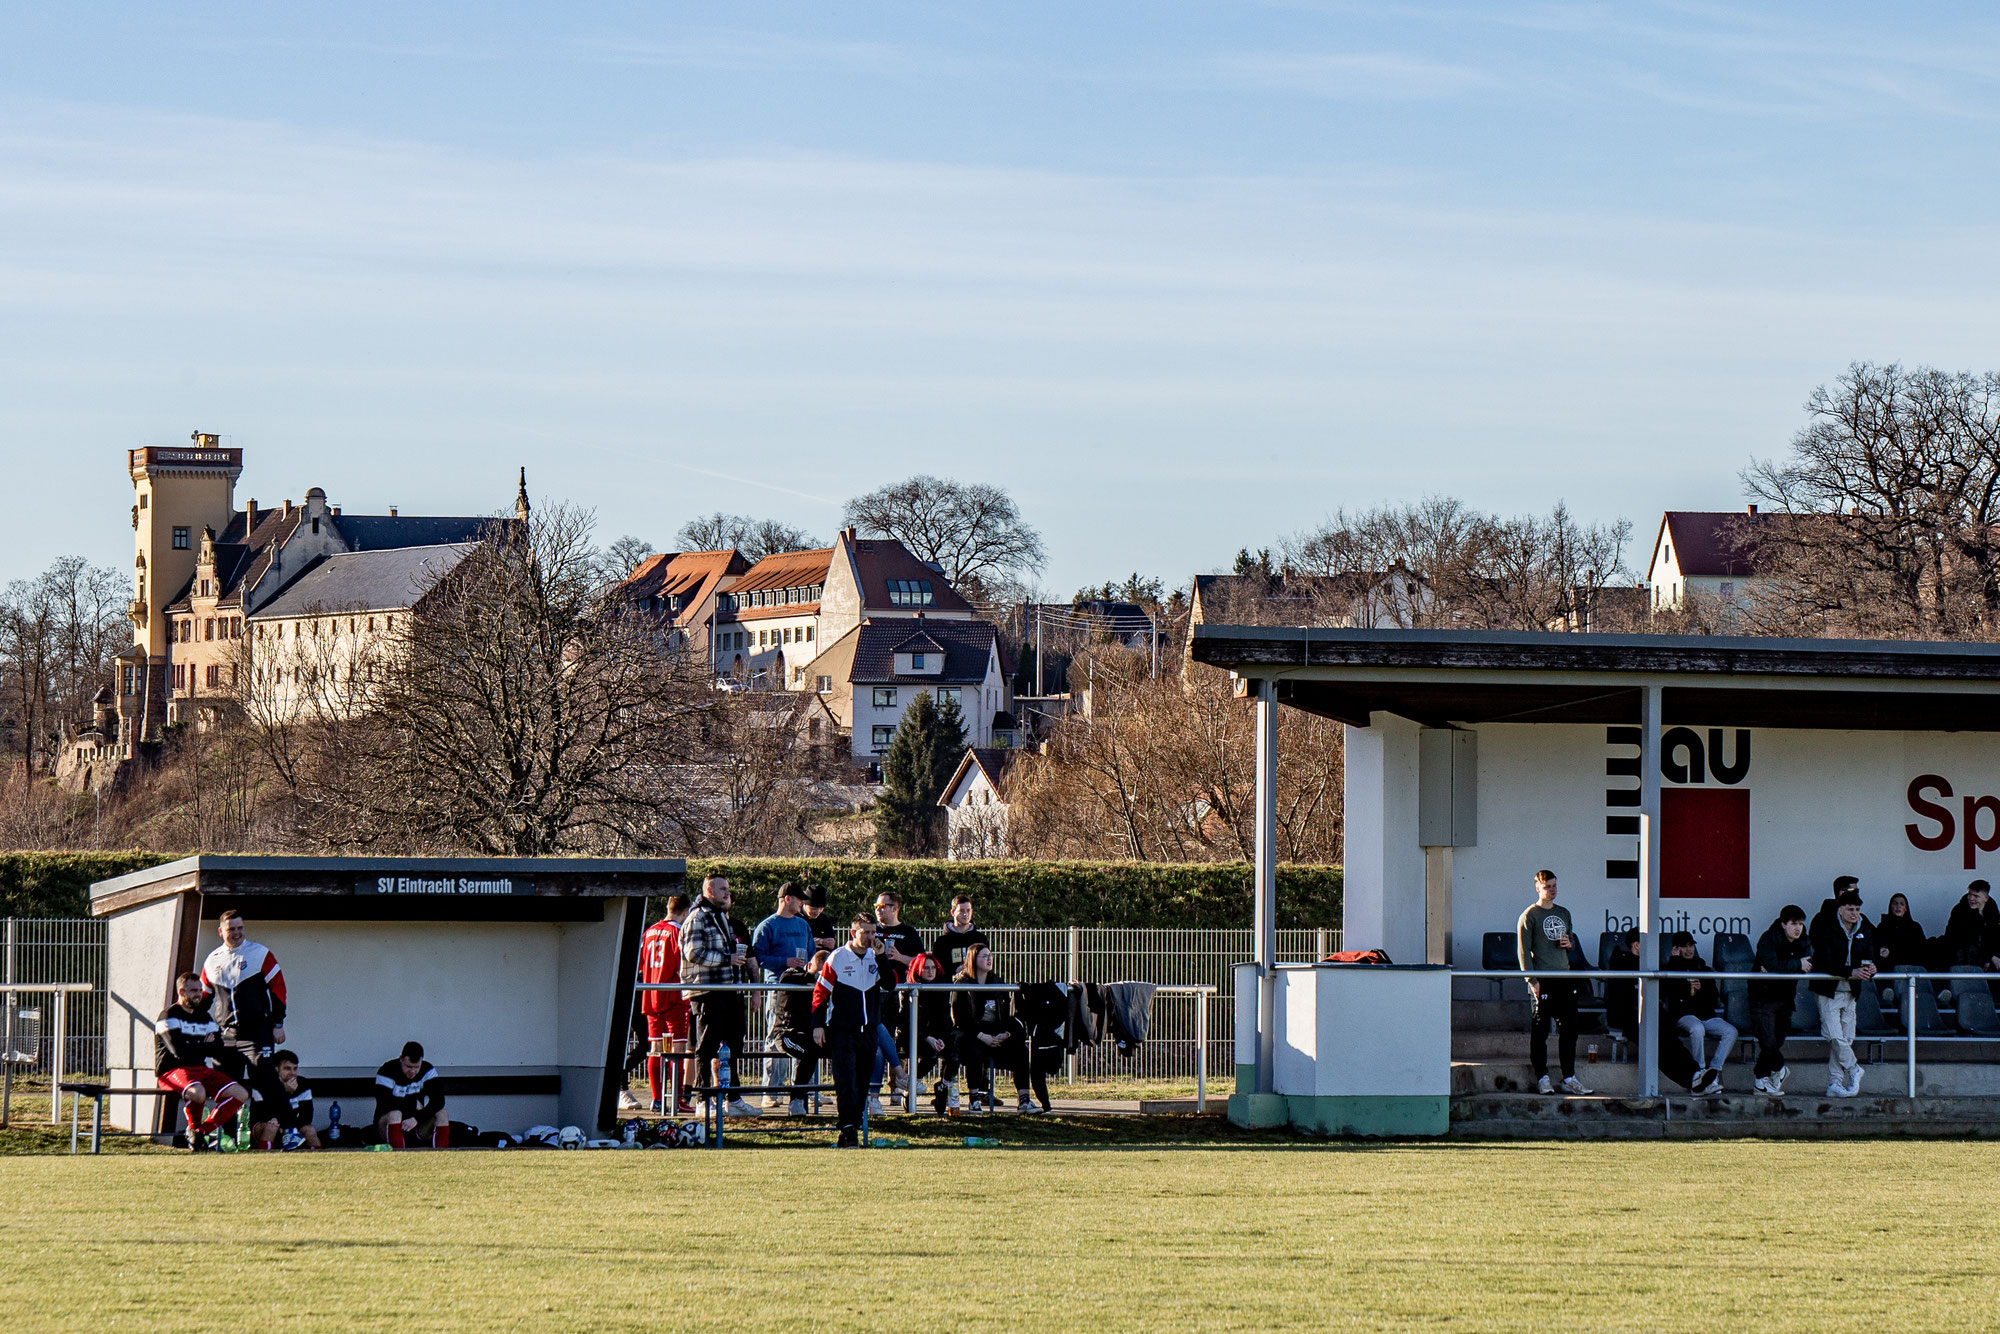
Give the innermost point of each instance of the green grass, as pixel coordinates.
(1252, 1233)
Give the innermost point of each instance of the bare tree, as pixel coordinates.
(1887, 512)
(519, 713)
(623, 556)
(1154, 769)
(973, 531)
(755, 538)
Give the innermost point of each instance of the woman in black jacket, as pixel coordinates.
(1899, 937)
(936, 1046)
(988, 1033)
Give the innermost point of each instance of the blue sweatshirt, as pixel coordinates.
(777, 939)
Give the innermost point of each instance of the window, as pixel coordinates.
(788, 634)
(948, 694)
(388, 622)
(1728, 588)
(809, 634)
(236, 627)
(885, 697)
(763, 639)
(214, 676)
(909, 592)
(916, 662)
(824, 685)
(208, 628)
(180, 539)
(880, 737)
(204, 588)
(143, 498)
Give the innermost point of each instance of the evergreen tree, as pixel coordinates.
(920, 761)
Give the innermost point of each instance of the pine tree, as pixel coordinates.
(920, 761)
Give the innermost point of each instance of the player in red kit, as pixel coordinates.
(185, 1040)
(666, 1012)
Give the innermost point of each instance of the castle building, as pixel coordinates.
(203, 569)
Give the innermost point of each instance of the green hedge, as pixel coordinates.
(57, 884)
(1007, 893)
(1024, 893)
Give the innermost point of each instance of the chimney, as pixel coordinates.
(336, 511)
(392, 511)
(288, 509)
(250, 516)
(847, 535)
(1752, 510)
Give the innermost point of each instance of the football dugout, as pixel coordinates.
(514, 973)
(1672, 782)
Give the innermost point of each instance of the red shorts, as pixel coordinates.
(214, 1081)
(672, 1025)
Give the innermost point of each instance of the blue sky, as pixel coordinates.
(1183, 277)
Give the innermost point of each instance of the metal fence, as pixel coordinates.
(48, 950)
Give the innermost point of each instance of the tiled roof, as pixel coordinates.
(993, 761)
(1708, 543)
(242, 555)
(786, 569)
(964, 644)
(689, 575)
(920, 643)
(878, 560)
(380, 532)
(367, 580)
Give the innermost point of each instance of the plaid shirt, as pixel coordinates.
(707, 945)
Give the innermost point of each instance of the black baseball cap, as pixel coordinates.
(816, 896)
(1847, 896)
(788, 890)
(1683, 938)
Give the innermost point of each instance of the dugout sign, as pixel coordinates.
(444, 886)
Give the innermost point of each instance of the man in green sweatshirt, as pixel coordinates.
(1544, 941)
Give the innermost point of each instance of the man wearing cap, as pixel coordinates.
(825, 933)
(781, 941)
(1691, 1007)
(1844, 946)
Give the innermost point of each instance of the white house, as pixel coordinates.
(975, 803)
(1701, 552)
(873, 672)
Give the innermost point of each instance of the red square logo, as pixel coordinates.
(1704, 843)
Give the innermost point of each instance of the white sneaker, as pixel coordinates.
(1571, 1084)
(1545, 1085)
(1854, 1084)
(1763, 1084)
(738, 1107)
(901, 1083)
(1836, 1089)
(798, 1107)
(874, 1106)
(1027, 1104)
(629, 1102)
(1778, 1080)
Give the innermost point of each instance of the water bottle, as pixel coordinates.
(722, 1072)
(242, 1128)
(981, 1142)
(333, 1124)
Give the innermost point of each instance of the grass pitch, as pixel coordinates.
(1256, 1233)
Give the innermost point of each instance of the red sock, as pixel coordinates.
(223, 1110)
(441, 1137)
(194, 1124)
(653, 1076)
(268, 1144)
(395, 1134)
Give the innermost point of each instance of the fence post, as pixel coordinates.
(56, 1062)
(1320, 943)
(7, 1050)
(1075, 980)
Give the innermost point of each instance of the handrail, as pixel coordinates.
(1881, 977)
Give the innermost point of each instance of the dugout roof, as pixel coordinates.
(1442, 677)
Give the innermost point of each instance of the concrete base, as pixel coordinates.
(1258, 1111)
(1343, 1116)
(1537, 1116)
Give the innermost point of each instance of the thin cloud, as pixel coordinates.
(1352, 76)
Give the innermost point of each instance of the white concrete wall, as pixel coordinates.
(1363, 1032)
(1822, 804)
(1383, 891)
(138, 981)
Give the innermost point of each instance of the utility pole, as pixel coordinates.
(1038, 650)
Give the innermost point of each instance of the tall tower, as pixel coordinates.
(176, 493)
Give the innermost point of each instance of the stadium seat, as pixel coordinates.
(1733, 953)
(1976, 1016)
(1501, 950)
(1868, 1018)
(1805, 1013)
(1928, 1021)
(1607, 941)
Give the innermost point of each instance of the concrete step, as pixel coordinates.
(1531, 1116)
(1935, 1079)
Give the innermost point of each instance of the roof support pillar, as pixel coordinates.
(1264, 921)
(1649, 889)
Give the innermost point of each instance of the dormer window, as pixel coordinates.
(909, 592)
(916, 662)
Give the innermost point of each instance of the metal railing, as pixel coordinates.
(40, 951)
(1899, 981)
(60, 994)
